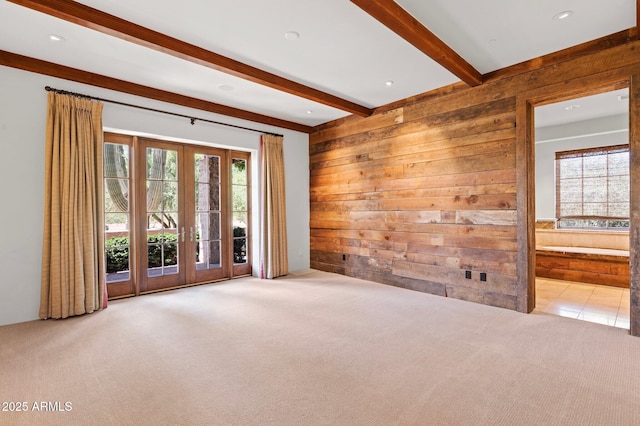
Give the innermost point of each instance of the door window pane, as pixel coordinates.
(162, 211)
(207, 211)
(116, 212)
(240, 209)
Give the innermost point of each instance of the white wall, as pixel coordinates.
(585, 134)
(22, 128)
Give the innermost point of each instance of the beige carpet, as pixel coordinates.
(317, 349)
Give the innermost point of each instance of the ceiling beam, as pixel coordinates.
(398, 20)
(95, 19)
(73, 74)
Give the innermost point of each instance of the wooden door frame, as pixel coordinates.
(240, 270)
(525, 176)
(190, 223)
(141, 220)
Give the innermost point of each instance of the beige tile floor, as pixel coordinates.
(588, 302)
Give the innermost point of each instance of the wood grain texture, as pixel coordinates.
(421, 192)
(634, 231)
(594, 269)
(73, 74)
(95, 19)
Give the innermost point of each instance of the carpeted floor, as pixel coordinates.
(316, 349)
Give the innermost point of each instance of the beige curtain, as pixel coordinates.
(273, 236)
(72, 260)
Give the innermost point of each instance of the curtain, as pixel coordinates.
(73, 240)
(273, 236)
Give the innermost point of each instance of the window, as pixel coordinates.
(592, 188)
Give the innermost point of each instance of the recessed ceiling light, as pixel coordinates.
(389, 83)
(493, 40)
(291, 35)
(622, 98)
(225, 87)
(55, 37)
(572, 107)
(562, 15)
(309, 111)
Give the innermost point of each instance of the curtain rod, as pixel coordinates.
(192, 119)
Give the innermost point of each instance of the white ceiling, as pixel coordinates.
(341, 49)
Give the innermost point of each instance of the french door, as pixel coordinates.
(176, 214)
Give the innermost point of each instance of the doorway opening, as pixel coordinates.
(175, 214)
(582, 208)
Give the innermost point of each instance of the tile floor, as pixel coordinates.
(588, 302)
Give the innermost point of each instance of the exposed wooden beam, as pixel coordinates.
(108, 24)
(60, 71)
(398, 20)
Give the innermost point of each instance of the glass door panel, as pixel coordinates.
(162, 266)
(117, 215)
(206, 231)
(240, 208)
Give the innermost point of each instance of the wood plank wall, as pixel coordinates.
(425, 189)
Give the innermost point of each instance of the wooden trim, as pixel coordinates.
(129, 287)
(588, 48)
(95, 19)
(240, 269)
(398, 20)
(73, 74)
(634, 207)
(525, 201)
(595, 83)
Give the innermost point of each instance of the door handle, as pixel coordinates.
(183, 234)
(191, 233)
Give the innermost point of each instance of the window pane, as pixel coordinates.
(170, 165)
(116, 223)
(116, 195)
(571, 168)
(571, 191)
(239, 172)
(170, 196)
(595, 190)
(155, 163)
(239, 198)
(594, 209)
(240, 219)
(214, 226)
(239, 250)
(202, 226)
(116, 160)
(619, 189)
(595, 165)
(619, 209)
(117, 256)
(207, 168)
(214, 255)
(619, 164)
(571, 209)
